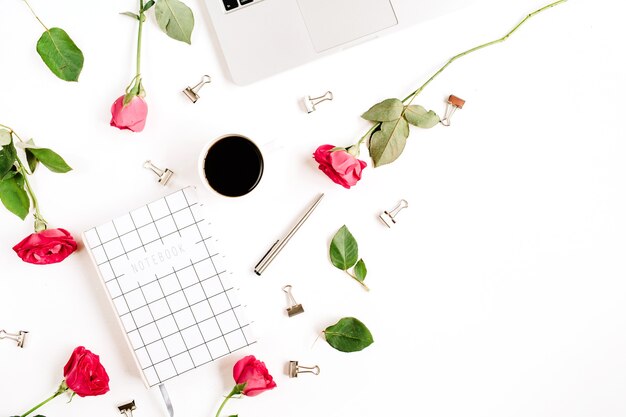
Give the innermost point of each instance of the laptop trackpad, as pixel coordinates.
(335, 22)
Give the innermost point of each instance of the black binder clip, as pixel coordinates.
(127, 409)
(19, 337)
(294, 308)
(295, 369)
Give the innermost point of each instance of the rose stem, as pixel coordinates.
(36, 17)
(228, 397)
(476, 48)
(139, 33)
(355, 278)
(414, 94)
(38, 217)
(60, 391)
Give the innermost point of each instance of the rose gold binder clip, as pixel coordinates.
(192, 92)
(127, 409)
(454, 103)
(389, 217)
(295, 369)
(294, 308)
(19, 337)
(163, 174)
(311, 102)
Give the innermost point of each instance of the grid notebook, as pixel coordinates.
(169, 286)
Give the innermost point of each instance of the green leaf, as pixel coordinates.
(14, 197)
(175, 19)
(385, 111)
(5, 137)
(387, 144)
(51, 160)
(348, 335)
(9, 174)
(147, 6)
(344, 250)
(420, 117)
(8, 155)
(360, 271)
(32, 160)
(60, 54)
(131, 14)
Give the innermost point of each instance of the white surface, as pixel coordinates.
(501, 290)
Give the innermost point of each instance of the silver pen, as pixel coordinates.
(280, 243)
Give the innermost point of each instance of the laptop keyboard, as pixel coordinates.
(232, 4)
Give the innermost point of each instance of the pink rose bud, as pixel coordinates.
(46, 247)
(252, 372)
(131, 116)
(340, 166)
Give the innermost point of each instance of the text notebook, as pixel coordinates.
(169, 286)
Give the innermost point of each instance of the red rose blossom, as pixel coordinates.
(131, 116)
(46, 247)
(340, 166)
(85, 375)
(254, 374)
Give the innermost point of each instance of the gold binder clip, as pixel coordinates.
(295, 369)
(19, 337)
(164, 175)
(192, 92)
(127, 409)
(454, 103)
(389, 217)
(294, 308)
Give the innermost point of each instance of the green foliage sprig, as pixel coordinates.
(173, 17)
(391, 117)
(59, 52)
(16, 193)
(344, 254)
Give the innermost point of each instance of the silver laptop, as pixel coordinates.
(260, 38)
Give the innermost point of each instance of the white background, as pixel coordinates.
(501, 290)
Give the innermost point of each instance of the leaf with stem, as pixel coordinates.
(387, 144)
(420, 117)
(348, 335)
(344, 251)
(59, 52)
(51, 160)
(385, 111)
(14, 198)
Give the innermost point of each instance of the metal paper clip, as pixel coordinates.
(127, 409)
(164, 175)
(311, 102)
(295, 369)
(20, 337)
(453, 103)
(294, 308)
(389, 217)
(192, 92)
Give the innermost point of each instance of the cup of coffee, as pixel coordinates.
(232, 165)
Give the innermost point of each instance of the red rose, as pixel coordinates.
(340, 166)
(46, 247)
(131, 116)
(254, 374)
(85, 375)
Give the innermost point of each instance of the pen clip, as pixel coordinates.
(269, 252)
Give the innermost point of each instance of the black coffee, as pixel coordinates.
(233, 166)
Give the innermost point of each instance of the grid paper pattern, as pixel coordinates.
(169, 286)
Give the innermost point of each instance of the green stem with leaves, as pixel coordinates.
(415, 93)
(357, 280)
(40, 222)
(62, 388)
